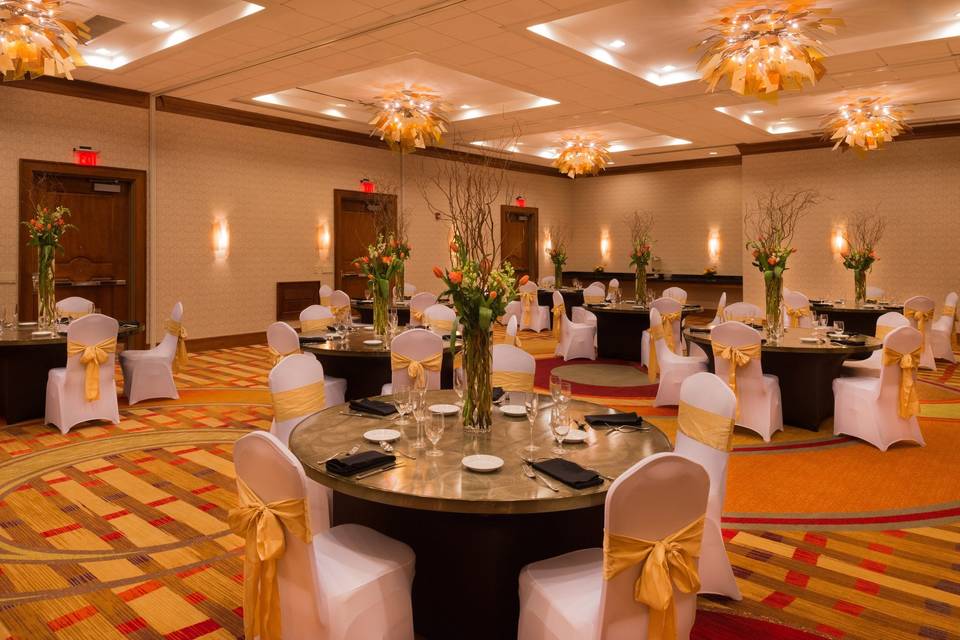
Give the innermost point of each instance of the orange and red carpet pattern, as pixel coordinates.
(119, 531)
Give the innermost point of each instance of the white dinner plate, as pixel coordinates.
(811, 340)
(836, 335)
(26, 324)
(444, 409)
(41, 334)
(365, 327)
(482, 463)
(373, 343)
(575, 436)
(381, 435)
(515, 410)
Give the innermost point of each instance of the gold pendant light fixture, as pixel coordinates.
(865, 124)
(410, 118)
(36, 41)
(762, 49)
(581, 155)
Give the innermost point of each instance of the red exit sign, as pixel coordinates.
(86, 156)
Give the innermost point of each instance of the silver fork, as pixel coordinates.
(533, 475)
(352, 451)
(389, 448)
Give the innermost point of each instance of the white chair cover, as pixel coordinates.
(419, 303)
(548, 282)
(612, 289)
(597, 283)
(742, 311)
(297, 371)
(576, 340)
(316, 312)
(66, 402)
(868, 408)
(512, 328)
(340, 300)
(595, 292)
(439, 319)
(925, 305)
(416, 344)
(796, 310)
(675, 293)
(282, 340)
(73, 306)
(148, 374)
(708, 392)
(510, 359)
(674, 369)
(409, 290)
(325, 292)
(666, 305)
(942, 336)
(351, 581)
(870, 367)
(539, 315)
(566, 597)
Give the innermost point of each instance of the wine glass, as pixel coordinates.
(560, 427)
(531, 402)
(392, 322)
(566, 392)
(459, 378)
(555, 381)
(419, 402)
(401, 400)
(838, 325)
(434, 428)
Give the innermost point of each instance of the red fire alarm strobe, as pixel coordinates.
(367, 185)
(521, 201)
(86, 156)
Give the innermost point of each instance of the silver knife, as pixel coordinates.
(367, 474)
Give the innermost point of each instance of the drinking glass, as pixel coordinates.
(459, 378)
(401, 400)
(838, 325)
(566, 392)
(419, 402)
(434, 428)
(392, 322)
(531, 402)
(560, 427)
(555, 381)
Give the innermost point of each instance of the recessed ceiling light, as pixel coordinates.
(340, 104)
(466, 106)
(757, 111)
(957, 14)
(712, 153)
(160, 24)
(667, 68)
(104, 52)
(617, 44)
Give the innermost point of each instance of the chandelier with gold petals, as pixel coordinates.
(866, 124)
(581, 154)
(762, 50)
(410, 118)
(36, 41)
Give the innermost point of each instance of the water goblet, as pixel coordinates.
(419, 402)
(401, 400)
(531, 402)
(838, 325)
(434, 429)
(560, 427)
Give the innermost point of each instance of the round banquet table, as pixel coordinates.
(862, 319)
(619, 327)
(806, 372)
(472, 532)
(365, 308)
(25, 362)
(366, 368)
(571, 298)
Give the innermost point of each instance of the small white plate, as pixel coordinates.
(836, 335)
(575, 436)
(482, 463)
(373, 343)
(26, 324)
(41, 334)
(381, 435)
(515, 410)
(444, 409)
(810, 340)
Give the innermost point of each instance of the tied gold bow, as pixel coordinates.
(261, 525)
(559, 310)
(416, 369)
(512, 380)
(341, 313)
(667, 320)
(909, 404)
(314, 325)
(882, 331)
(704, 426)
(174, 328)
(276, 356)
(951, 312)
(513, 340)
(527, 301)
(738, 357)
(301, 401)
(720, 311)
(92, 357)
(72, 315)
(417, 316)
(653, 363)
(664, 564)
(796, 314)
(921, 318)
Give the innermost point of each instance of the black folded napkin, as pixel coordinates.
(607, 419)
(850, 340)
(569, 473)
(312, 339)
(376, 407)
(356, 463)
(497, 393)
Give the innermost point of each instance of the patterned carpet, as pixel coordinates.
(119, 531)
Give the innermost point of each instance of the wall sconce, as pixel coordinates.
(838, 243)
(323, 238)
(605, 245)
(367, 185)
(221, 239)
(713, 246)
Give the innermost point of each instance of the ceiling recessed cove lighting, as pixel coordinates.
(668, 68)
(466, 106)
(617, 44)
(711, 153)
(160, 24)
(104, 52)
(757, 112)
(269, 98)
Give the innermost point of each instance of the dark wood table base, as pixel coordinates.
(366, 376)
(23, 379)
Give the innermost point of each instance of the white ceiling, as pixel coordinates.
(546, 67)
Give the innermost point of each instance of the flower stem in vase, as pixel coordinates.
(46, 287)
(557, 276)
(860, 286)
(640, 296)
(774, 300)
(381, 306)
(478, 393)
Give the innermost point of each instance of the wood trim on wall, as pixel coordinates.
(945, 130)
(84, 89)
(675, 165)
(226, 342)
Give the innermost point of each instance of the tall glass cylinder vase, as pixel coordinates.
(859, 286)
(641, 286)
(401, 281)
(557, 276)
(381, 306)
(478, 392)
(46, 285)
(774, 304)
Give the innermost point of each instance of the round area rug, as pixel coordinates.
(607, 375)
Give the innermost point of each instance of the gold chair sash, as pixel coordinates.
(588, 299)
(909, 404)
(720, 311)
(512, 340)
(314, 325)
(951, 312)
(325, 301)
(667, 319)
(664, 563)
(796, 314)
(92, 357)
(738, 357)
(559, 310)
(528, 300)
(439, 324)
(705, 426)
(301, 401)
(882, 331)
(261, 525)
(745, 319)
(653, 364)
(417, 316)
(276, 356)
(512, 380)
(175, 328)
(416, 369)
(341, 312)
(921, 318)
(72, 315)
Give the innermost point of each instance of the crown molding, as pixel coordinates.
(920, 132)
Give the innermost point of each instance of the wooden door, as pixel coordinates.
(519, 232)
(354, 228)
(104, 257)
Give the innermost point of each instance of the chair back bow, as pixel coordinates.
(301, 401)
(341, 312)
(276, 356)
(665, 331)
(559, 310)
(314, 325)
(92, 357)
(513, 340)
(665, 563)
(921, 318)
(512, 380)
(416, 369)
(796, 314)
(738, 357)
(175, 328)
(909, 404)
(261, 526)
(706, 427)
(528, 300)
(417, 316)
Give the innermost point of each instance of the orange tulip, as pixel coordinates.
(456, 277)
(437, 271)
(772, 260)
(524, 280)
(493, 295)
(454, 248)
(387, 259)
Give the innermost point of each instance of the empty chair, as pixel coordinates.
(883, 410)
(325, 293)
(796, 310)
(705, 435)
(316, 318)
(871, 366)
(670, 368)
(336, 583)
(340, 306)
(943, 333)
(74, 307)
(86, 388)
(439, 319)
(418, 304)
(533, 316)
(671, 311)
(574, 340)
(676, 293)
(299, 388)
(594, 294)
(601, 593)
(596, 284)
(149, 373)
(919, 311)
(548, 282)
(282, 341)
(743, 312)
(511, 333)
(409, 290)
(416, 357)
(695, 349)
(513, 371)
(613, 290)
(875, 293)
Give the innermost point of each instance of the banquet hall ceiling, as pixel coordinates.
(543, 67)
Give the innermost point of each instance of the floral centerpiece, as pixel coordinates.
(380, 265)
(861, 239)
(44, 231)
(401, 253)
(558, 256)
(772, 222)
(641, 240)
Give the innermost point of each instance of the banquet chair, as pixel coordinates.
(325, 292)
(705, 435)
(74, 307)
(574, 339)
(316, 318)
(511, 333)
(548, 282)
(883, 410)
(335, 583)
(875, 293)
(670, 368)
(416, 357)
(871, 365)
(282, 341)
(86, 388)
(340, 306)
(673, 311)
(943, 332)
(513, 370)
(662, 497)
(919, 311)
(676, 293)
(594, 294)
(759, 405)
(418, 304)
(533, 316)
(694, 349)
(796, 310)
(598, 284)
(148, 373)
(439, 319)
(295, 372)
(409, 290)
(613, 289)
(743, 312)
